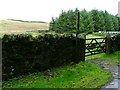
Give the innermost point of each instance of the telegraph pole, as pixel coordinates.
(77, 21)
(77, 32)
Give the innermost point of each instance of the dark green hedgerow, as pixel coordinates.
(23, 53)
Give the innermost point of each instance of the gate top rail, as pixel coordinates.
(93, 38)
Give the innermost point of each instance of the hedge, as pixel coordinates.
(23, 54)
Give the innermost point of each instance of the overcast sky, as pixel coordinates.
(43, 10)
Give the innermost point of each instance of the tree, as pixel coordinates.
(89, 21)
(109, 26)
(86, 21)
(115, 23)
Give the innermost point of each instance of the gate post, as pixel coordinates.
(83, 52)
(82, 48)
(108, 45)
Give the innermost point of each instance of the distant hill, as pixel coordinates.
(12, 25)
(26, 21)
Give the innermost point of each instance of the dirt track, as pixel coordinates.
(115, 71)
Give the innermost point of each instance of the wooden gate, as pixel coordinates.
(95, 46)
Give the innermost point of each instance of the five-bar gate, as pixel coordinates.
(95, 46)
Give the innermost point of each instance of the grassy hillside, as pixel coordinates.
(8, 26)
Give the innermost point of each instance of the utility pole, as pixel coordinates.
(77, 21)
(77, 32)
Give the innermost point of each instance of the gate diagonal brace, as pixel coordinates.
(96, 47)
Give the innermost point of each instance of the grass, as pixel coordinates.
(8, 26)
(111, 59)
(82, 75)
(94, 36)
(17, 27)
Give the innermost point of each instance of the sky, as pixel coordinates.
(44, 10)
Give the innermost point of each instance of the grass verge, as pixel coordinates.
(111, 59)
(82, 75)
